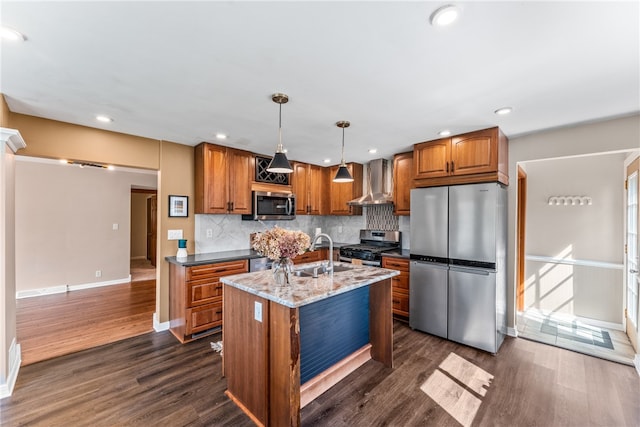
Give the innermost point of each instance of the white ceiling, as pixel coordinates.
(183, 71)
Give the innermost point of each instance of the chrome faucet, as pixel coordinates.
(329, 267)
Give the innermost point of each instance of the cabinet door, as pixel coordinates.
(300, 187)
(431, 159)
(342, 192)
(211, 186)
(203, 317)
(240, 177)
(402, 183)
(475, 152)
(315, 187)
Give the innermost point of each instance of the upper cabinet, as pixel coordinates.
(223, 179)
(307, 186)
(343, 192)
(402, 183)
(479, 156)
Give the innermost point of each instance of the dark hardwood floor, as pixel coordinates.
(54, 325)
(151, 379)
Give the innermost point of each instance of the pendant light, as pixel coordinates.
(343, 174)
(279, 163)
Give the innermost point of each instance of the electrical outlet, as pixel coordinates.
(174, 234)
(116, 226)
(209, 233)
(98, 273)
(257, 311)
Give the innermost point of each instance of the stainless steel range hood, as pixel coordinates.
(377, 190)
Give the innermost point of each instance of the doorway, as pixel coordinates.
(570, 289)
(631, 250)
(144, 208)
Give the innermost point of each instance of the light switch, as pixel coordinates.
(257, 311)
(116, 226)
(174, 235)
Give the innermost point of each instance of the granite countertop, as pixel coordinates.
(400, 253)
(211, 257)
(305, 290)
(208, 258)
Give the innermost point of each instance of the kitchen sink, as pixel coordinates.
(321, 269)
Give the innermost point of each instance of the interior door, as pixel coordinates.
(152, 215)
(633, 260)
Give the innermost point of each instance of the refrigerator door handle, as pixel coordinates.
(432, 264)
(479, 271)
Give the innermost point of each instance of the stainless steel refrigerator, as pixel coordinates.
(458, 261)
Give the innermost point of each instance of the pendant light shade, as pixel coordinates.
(280, 163)
(343, 174)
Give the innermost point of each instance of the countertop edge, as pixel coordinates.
(303, 283)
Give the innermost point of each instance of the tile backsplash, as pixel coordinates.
(230, 232)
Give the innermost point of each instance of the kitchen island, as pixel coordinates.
(284, 346)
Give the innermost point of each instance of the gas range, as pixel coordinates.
(373, 243)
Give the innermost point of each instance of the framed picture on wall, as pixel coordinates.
(179, 206)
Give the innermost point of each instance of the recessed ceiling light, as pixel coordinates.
(104, 119)
(445, 132)
(326, 161)
(504, 110)
(444, 15)
(373, 150)
(221, 136)
(11, 34)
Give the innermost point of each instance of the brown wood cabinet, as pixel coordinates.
(342, 192)
(399, 284)
(195, 295)
(402, 183)
(321, 254)
(308, 183)
(480, 156)
(223, 179)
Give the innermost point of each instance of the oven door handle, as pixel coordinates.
(364, 262)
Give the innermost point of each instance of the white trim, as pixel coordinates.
(99, 284)
(159, 327)
(512, 332)
(41, 291)
(15, 359)
(68, 288)
(636, 363)
(580, 262)
(12, 138)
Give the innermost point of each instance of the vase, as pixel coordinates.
(282, 271)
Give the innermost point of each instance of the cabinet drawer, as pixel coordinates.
(203, 291)
(218, 269)
(400, 282)
(399, 264)
(203, 317)
(312, 256)
(400, 304)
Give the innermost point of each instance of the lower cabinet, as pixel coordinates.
(195, 295)
(312, 256)
(399, 284)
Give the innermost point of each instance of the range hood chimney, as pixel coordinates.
(377, 179)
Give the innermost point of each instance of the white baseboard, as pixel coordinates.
(512, 332)
(15, 359)
(67, 288)
(636, 363)
(159, 327)
(99, 284)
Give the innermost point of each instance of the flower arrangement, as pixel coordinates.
(279, 243)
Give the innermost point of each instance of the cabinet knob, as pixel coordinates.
(452, 167)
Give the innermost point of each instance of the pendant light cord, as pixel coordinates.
(342, 160)
(280, 147)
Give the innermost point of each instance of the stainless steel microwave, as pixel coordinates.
(266, 205)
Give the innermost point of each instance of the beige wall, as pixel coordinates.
(599, 137)
(176, 178)
(139, 225)
(583, 233)
(47, 138)
(65, 223)
(4, 113)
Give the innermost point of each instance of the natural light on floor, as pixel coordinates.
(448, 385)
